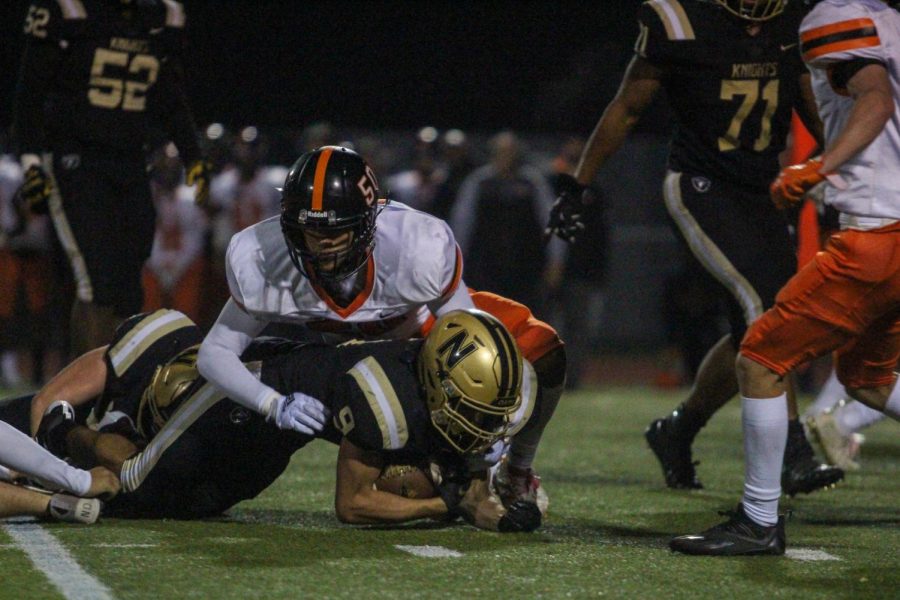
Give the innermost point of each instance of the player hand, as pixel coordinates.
(565, 216)
(199, 173)
(792, 183)
(301, 413)
(34, 193)
(104, 484)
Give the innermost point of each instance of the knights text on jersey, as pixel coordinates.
(731, 92)
(141, 344)
(833, 34)
(100, 63)
(415, 261)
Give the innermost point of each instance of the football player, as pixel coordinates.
(96, 76)
(325, 265)
(846, 299)
(185, 451)
(21, 457)
(732, 73)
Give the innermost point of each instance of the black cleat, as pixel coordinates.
(57, 421)
(674, 454)
(738, 536)
(801, 472)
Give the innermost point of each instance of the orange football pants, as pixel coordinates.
(30, 272)
(846, 300)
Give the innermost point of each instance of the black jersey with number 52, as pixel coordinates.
(731, 90)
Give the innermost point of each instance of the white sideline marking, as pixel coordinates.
(54, 561)
(429, 551)
(111, 545)
(808, 554)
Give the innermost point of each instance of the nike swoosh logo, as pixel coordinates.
(786, 47)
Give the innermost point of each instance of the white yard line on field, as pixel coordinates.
(808, 554)
(429, 551)
(50, 557)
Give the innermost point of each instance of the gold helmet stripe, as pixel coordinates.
(143, 335)
(383, 401)
(509, 367)
(674, 19)
(319, 179)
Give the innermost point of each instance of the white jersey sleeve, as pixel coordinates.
(841, 30)
(431, 264)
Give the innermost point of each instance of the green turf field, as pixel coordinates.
(610, 520)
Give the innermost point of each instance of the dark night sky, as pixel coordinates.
(539, 66)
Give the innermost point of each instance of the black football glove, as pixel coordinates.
(199, 173)
(565, 216)
(520, 517)
(34, 193)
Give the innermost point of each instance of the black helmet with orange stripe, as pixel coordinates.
(328, 207)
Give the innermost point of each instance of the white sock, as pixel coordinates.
(892, 408)
(765, 424)
(525, 443)
(830, 394)
(20, 452)
(855, 417)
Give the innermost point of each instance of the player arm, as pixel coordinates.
(356, 500)
(218, 359)
(81, 381)
(175, 112)
(808, 111)
(639, 87)
(36, 73)
(873, 106)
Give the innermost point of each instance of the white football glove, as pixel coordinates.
(300, 413)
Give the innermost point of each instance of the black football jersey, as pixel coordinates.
(100, 75)
(731, 93)
(371, 389)
(141, 344)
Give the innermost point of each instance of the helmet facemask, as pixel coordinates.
(330, 265)
(754, 10)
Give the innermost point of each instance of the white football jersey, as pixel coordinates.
(415, 262)
(842, 30)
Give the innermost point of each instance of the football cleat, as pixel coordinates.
(801, 472)
(72, 509)
(57, 421)
(674, 455)
(738, 536)
(839, 449)
(520, 485)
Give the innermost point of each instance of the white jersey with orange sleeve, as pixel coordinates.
(861, 31)
(415, 262)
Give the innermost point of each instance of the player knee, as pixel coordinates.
(551, 368)
(754, 377)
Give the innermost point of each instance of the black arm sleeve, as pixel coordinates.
(174, 111)
(36, 74)
(842, 72)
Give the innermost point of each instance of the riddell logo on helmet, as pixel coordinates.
(316, 214)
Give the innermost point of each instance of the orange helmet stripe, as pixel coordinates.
(319, 179)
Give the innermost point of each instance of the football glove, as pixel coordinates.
(35, 192)
(565, 215)
(521, 516)
(793, 182)
(300, 413)
(199, 173)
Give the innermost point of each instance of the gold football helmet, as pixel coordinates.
(471, 370)
(754, 10)
(164, 394)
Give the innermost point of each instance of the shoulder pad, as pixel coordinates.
(661, 21)
(49, 19)
(174, 14)
(836, 31)
(382, 412)
(139, 332)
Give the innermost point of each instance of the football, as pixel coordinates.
(405, 480)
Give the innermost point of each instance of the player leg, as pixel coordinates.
(541, 346)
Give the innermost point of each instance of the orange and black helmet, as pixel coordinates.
(329, 191)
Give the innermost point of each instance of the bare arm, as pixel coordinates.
(808, 111)
(639, 86)
(873, 106)
(356, 500)
(81, 381)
